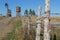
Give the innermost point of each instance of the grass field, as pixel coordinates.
(20, 33)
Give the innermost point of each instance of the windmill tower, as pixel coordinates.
(9, 13)
(6, 5)
(47, 20)
(38, 29)
(18, 10)
(8, 10)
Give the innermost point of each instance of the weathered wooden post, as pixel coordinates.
(18, 10)
(38, 29)
(47, 20)
(29, 22)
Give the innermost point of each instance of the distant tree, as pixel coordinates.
(31, 12)
(26, 12)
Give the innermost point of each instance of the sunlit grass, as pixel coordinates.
(11, 36)
(20, 33)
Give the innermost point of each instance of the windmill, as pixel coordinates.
(8, 10)
(18, 10)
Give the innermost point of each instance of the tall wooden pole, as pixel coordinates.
(38, 29)
(47, 20)
(29, 20)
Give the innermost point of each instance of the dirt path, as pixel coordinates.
(4, 28)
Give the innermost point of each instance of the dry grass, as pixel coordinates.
(19, 33)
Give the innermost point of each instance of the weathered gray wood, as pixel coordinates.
(29, 20)
(38, 29)
(46, 20)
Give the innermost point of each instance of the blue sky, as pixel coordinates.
(29, 4)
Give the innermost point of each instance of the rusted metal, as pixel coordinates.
(18, 9)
